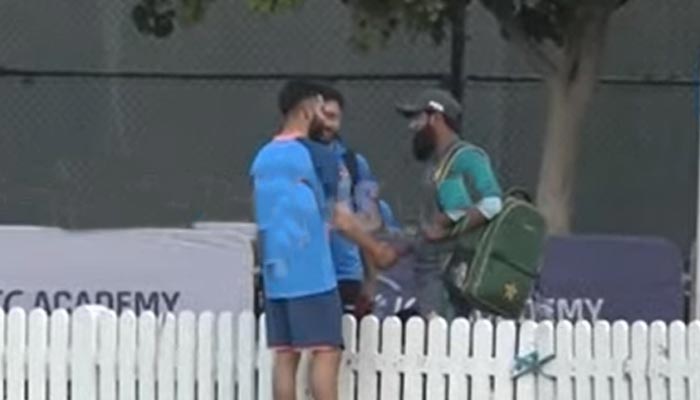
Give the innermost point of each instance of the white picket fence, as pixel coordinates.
(90, 356)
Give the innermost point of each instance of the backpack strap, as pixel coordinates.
(350, 161)
(520, 194)
(325, 167)
(445, 164)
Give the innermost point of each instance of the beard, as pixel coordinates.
(423, 144)
(322, 135)
(316, 129)
(316, 135)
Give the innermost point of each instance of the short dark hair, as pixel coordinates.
(294, 92)
(333, 94)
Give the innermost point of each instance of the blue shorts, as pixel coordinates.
(305, 322)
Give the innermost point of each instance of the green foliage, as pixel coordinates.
(154, 18)
(158, 18)
(193, 11)
(273, 6)
(547, 19)
(375, 21)
(543, 20)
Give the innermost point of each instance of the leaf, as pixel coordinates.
(193, 11)
(273, 6)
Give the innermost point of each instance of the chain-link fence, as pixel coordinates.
(101, 126)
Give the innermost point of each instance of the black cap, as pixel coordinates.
(436, 100)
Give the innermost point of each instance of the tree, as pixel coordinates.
(158, 17)
(561, 39)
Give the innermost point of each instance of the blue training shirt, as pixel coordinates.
(390, 221)
(346, 254)
(291, 210)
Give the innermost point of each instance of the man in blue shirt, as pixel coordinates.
(357, 190)
(295, 189)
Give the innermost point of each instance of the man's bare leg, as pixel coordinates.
(325, 365)
(285, 374)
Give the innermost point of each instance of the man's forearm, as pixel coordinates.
(363, 239)
(473, 218)
(370, 221)
(478, 215)
(381, 254)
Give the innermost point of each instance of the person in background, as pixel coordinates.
(404, 271)
(294, 182)
(357, 191)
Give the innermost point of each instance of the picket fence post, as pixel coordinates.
(346, 380)
(82, 360)
(369, 349)
(414, 359)
(246, 362)
(460, 345)
(545, 346)
(205, 350)
(37, 354)
(657, 353)
(525, 385)
(126, 358)
(263, 364)
(58, 355)
(505, 353)
(185, 356)
(107, 329)
(146, 357)
(225, 356)
(391, 351)
(678, 360)
(637, 364)
(16, 347)
(583, 355)
(2, 350)
(693, 370)
(602, 364)
(165, 361)
(621, 354)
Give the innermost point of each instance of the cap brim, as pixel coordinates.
(408, 110)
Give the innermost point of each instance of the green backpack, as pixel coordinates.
(495, 267)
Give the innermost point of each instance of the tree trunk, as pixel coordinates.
(570, 89)
(561, 147)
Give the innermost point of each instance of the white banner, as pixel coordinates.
(140, 269)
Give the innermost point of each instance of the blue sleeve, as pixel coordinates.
(328, 171)
(363, 169)
(388, 215)
(367, 189)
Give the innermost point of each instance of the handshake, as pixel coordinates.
(380, 254)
